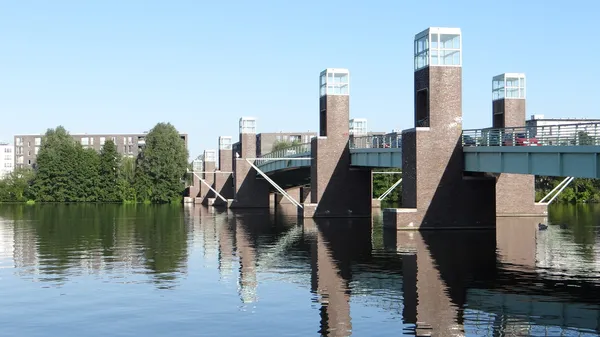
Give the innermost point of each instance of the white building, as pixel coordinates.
(358, 127)
(7, 159)
(553, 130)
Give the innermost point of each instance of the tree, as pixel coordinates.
(66, 171)
(284, 144)
(16, 186)
(161, 166)
(382, 182)
(109, 165)
(55, 167)
(127, 192)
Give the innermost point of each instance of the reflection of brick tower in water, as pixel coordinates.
(515, 193)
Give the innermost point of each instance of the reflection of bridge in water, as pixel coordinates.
(478, 282)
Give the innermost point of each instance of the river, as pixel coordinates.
(138, 270)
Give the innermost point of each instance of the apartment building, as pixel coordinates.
(7, 160)
(28, 146)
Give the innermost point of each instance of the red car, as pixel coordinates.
(519, 139)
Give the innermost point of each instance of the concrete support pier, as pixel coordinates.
(249, 191)
(436, 193)
(337, 190)
(515, 193)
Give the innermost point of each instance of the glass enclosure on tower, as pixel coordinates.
(334, 81)
(225, 143)
(247, 125)
(197, 164)
(438, 46)
(508, 85)
(210, 155)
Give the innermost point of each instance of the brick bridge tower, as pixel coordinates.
(435, 191)
(223, 176)
(515, 193)
(208, 175)
(336, 189)
(249, 192)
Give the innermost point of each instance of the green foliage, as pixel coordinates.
(16, 187)
(67, 172)
(284, 144)
(160, 169)
(381, 182)
(580, 190)
(109, 165)
(584, 138)
(126, 180)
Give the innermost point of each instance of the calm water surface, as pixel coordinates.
(112, 270)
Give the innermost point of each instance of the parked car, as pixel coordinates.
(468, 140)
(519, 139)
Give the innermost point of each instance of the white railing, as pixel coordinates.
(376, 142)
(298, 150)
(580, 134)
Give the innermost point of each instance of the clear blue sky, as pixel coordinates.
(117, 66)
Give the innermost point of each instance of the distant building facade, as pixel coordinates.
(7, 159)
(28, 146)
(265, 141)
(547, 128)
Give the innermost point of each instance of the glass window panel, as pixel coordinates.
(456, 59)
(447, 57)
(322, 90)
(456, 42)
(434, 41)
(434, 57)
(341, 78)
(344, 89)
(449, 41)
(323, 79)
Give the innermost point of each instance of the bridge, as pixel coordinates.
(451, 178)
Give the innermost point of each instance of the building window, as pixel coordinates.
(38, 141)
(91, 140)
(102, 140)
(29, 161)
(19, 141)
(28, 144)
(421, 52)
(37, 149)
(85, 141)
